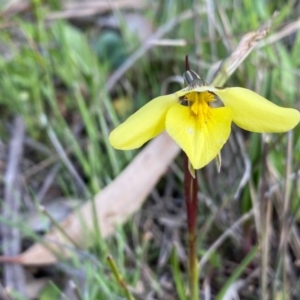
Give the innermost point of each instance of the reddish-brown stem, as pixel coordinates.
(187, 64)
(190, 191)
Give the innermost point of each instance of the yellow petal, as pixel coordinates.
(255, 113)
(143, 125)
(201, 140)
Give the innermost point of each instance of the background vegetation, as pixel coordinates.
(62, 82)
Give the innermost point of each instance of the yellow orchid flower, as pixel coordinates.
(197, 127)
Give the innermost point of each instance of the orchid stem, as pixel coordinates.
(190, 190)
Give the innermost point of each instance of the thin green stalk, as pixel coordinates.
(237, 272)
(190, 190)
(119, 278)
(177, 276)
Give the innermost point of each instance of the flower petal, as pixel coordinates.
(255, 113)
(143, 125)
(201, 141)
